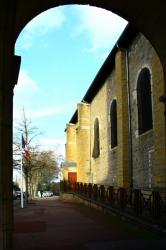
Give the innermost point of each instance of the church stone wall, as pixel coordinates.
(138, 161)
(147, 147)
(159, 173)
(83, 142)
(98, 109)
(112, 153)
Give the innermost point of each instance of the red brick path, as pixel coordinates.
(50, 224)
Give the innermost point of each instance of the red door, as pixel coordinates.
(72, 179)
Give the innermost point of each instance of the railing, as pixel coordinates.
(149, 205)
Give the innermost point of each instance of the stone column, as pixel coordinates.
(83, 142)
(71, 142)
(71, 153)
(9, 67)
(123, 168)
(6, 166)
(6, 154)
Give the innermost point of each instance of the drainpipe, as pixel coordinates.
(129, 114)
(130, 123)
(90, 159)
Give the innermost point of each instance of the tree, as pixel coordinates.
(24, 127)
(41, 165)
(43, 168)
(16, 186)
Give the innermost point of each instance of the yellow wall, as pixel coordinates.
(71, 143)
(98, 109)
(83, 143)
(80, 136)
(123, 171)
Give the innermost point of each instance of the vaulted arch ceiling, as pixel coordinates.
(148, 16)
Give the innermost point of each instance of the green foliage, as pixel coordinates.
(15, 186)
(55, 187)
(49, 186)
(44, 166)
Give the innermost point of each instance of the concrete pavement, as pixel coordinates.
(49, 223)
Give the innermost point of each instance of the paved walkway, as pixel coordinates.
(51, 224)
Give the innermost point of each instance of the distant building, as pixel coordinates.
(117, 134)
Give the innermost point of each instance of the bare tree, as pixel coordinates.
(24, 128)
(41, 165)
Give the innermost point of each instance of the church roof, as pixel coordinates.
(123, 42)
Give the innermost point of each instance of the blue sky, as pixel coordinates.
(62, 50)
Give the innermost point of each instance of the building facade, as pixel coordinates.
(116, 136)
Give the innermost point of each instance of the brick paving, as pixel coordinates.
(51, 224)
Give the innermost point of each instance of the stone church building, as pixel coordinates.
(116, 136)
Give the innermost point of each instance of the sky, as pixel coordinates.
(61, 52)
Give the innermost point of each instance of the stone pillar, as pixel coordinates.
(6, 167)
(6, 155)
(9, 66)
(71, 143)
(83, 142)
(70, 164)
(123, 169)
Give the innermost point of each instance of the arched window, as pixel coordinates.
(96, 146)
(113, 119)
(144, 101)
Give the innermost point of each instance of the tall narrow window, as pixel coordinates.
(144, 101)
(113, 119)
(96, 146)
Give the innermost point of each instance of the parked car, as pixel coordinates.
(47, 193)
(18, 194)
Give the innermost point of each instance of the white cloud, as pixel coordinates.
(24, 92)
(46, 112)
(103, 27)
(50, 19)
(25, 83)
(57, 145)
(40, 25)
(52, 141)
(56, 110)
(16, 115)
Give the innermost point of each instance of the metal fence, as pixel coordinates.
(147, 205)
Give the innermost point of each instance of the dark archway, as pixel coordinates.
(148, 17)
